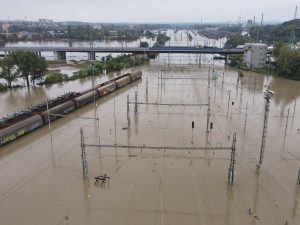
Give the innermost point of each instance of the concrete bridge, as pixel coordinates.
(60, 52)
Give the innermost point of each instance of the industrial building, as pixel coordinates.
(255, 55)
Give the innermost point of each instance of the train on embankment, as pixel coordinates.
(24, 122)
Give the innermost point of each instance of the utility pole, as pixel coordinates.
(128, 112)
(293, 38)
(260, 28)
(262, 20)
(135, 105)
(208, 107)
(246, 117)
(83, 155)
(298, 180)
(93, 68)
(229, 92)
(147, 89)
(287, 120)
(231, 172)
(49, 124)
(268, 96)
(294, 109)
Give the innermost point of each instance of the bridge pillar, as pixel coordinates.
(38, 53)
(60, 56)
(226, 59)
(7, 53)
(141, 56)
(92, 55)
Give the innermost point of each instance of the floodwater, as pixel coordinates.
(18, 99)
(42, 180)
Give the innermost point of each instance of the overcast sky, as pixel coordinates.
(139, 11)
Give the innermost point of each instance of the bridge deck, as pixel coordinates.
(181, 49)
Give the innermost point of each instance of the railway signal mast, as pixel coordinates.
(268, 94)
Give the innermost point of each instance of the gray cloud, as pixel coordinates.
(148, 10)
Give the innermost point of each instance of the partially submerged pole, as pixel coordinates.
(128, 112)
(83, 155)
(268, 97)
(135, 105)
(231, 172)
(298, 180)
(208, 99)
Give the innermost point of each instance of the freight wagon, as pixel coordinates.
(19, 128)
(86, 98)
(63, 109)
(10, 133)
(107, 89)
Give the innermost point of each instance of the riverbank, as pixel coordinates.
(70, 63)
(267, 71)
(95, 68)
(61, 71)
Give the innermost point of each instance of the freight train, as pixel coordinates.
(34, 117)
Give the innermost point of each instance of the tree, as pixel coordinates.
(236, 40)
(287, 62)
(38, 69)
(161, 39)
(29, 63)
(144, 44)
(9, 72)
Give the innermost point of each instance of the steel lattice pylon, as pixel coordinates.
(268, 97)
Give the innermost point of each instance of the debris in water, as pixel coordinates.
(250, 212)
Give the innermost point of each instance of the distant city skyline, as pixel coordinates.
(146, 11)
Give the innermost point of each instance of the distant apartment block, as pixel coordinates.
(45, 21)
(255, 55)
(249, 23)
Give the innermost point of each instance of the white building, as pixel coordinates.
(255, 55)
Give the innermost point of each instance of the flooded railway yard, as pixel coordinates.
(172, 183)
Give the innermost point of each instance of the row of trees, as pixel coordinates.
(286, 32)
(287, 61)
(161, 39)
(236, 40)
(108, 63)
(23, 64)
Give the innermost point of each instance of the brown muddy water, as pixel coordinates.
(43, 184)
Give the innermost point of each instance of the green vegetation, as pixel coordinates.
(3, 87)
(144, 44)
(55, 77)
(22, 31)
(235, 60)
(161, 40)
(27, 65)
(277, 33)
(236, 40)
(149, 34)
(8, 72)
(233, 42)
(287, 62)
(23, 64)
(107, 63)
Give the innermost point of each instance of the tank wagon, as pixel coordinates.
(12, 128)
